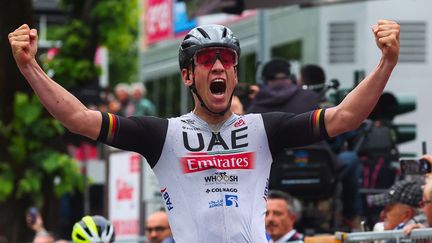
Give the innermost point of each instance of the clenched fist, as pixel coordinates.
(387, 39)
(24, 44)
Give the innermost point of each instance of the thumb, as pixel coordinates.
(33, 41)
(33, 34)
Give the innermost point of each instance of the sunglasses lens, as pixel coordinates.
(207, 57)
(228, 57)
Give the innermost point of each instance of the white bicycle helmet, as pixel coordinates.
(93, 229)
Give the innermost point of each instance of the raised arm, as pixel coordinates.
(59, 102)
(351, 112)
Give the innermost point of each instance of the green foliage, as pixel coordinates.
(6, 180)
(117, 23)
(118, 30)
(70, 66)
(109, 23)
(31, 157)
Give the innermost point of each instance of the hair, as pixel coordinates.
(139, 86)
(294, 205)
(312, 74)
(274, 67)
(122, 86)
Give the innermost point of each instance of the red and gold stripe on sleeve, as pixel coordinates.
(317, 120)
(112, 127)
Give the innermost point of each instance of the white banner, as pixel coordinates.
(124, 193)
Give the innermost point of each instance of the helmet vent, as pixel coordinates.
(203, 33)
(87, 231)
(224, 34)
(80, 237)
(99, 230)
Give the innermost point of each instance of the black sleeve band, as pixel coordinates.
(144, 135)
(286, 130)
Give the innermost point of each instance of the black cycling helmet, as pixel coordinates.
(212, 35)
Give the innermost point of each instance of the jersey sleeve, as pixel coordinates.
(144, 135)
(289, 130)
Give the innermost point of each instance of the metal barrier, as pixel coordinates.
(140, 239)
(395, 236)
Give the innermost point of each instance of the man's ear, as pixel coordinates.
(187, 76)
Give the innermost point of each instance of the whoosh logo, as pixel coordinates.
(201, 161)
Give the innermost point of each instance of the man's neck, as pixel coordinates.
(211, 118)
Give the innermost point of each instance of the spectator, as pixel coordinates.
(157, 228)
(142, 105)
(282, 212)
(106, 98)
(312, 77)
(35, 222)
(124, 107)
(279, 92)
(400, 203)
(425, 204)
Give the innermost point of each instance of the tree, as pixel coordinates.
(97, 23)
(32, 170)
(32, 167)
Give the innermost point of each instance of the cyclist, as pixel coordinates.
(187, 153)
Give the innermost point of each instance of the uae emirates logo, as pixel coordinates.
(200, 161)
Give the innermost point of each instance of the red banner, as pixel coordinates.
(159, 20)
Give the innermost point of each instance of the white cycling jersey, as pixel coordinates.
(214, 182)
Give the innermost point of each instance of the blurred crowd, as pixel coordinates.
(127, 100)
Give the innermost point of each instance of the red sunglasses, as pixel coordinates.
(207, 57)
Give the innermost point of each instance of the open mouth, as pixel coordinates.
(217, 86)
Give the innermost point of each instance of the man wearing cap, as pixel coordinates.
(280, 93)
(426, 202)
(400, 204)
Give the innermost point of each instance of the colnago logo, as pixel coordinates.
(221, 190)
(196, 162)
(221, 178)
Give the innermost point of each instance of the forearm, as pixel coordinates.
(59, 102)
(359, 103)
